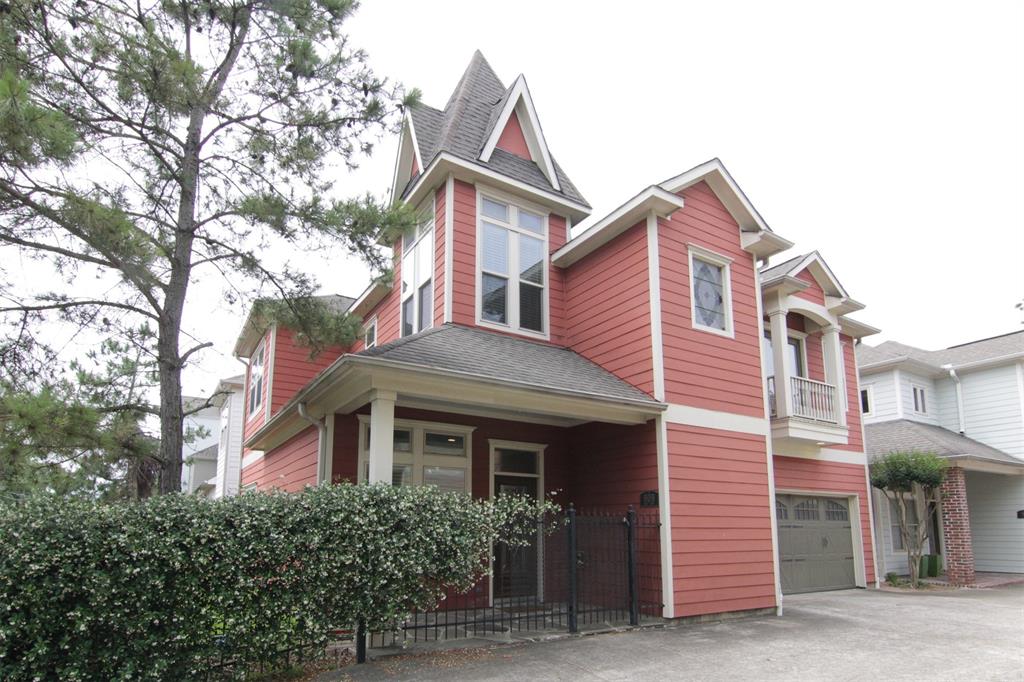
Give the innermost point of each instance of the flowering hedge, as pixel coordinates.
(159, 589)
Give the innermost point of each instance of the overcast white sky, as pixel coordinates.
(889, 136)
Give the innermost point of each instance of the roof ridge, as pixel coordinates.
(460, 99)
(989, 338)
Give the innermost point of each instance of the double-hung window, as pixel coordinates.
(424, 454)
(710, 291)
(256, 380)
(370, 334)
(418, 275)
(894, 522)
(513, 260)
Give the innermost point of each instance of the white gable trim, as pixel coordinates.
(725, 188)
(406, 141)
(520, 101)
(814, 258)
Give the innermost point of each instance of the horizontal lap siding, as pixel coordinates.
(387, 309)
(464, 255)
(556, 280)
(721, 523)
(612, 465)
(703, 369)
(254, 421)
(439, 247)
(344, 458)
(607, 308)
(290, 466)
(797, 473)
(815, 358)
(814, 292)
(294, 368)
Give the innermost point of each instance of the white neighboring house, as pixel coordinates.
(211, 464)
(966, 404)
(199, 458)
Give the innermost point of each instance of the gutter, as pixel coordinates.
(960, 416)
(321, 446)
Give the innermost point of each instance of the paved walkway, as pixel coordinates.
(848, 635)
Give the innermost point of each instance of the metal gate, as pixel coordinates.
(592, 570)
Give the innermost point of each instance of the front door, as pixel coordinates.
(516, 472)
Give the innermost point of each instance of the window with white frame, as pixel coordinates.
(370, 334)
(920, 406)
(424, 454)
(513, 264)
(710, 291)
(867, 400)
(894, 522)
(256, 379)
(418, 274)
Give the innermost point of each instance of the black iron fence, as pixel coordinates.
(586, 570)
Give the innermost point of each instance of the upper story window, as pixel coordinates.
(866, 401)
(418, 274)
(710, 291)
(256, 379)
(795, 365)
(513, 263)
(920, 406)
(370, 334)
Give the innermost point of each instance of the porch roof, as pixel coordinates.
(904, 434)
(455, 368)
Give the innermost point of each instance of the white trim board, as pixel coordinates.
(714, 419)
(520, 101)
(654, 292)
(828, 455)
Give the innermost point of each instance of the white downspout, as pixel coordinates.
(959, 398)
(321, 430)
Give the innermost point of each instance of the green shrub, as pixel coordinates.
(157, 590)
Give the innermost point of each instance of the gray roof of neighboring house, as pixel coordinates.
(466, 122)
(975, 351)
(493, 355)
(207, 453)
(903, 435)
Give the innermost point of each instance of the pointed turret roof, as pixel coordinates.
(463, 127)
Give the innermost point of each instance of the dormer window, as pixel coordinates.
(418, 274)
(512, 260)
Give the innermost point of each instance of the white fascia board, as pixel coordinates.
(373, 295)
(785, 285)
(725, 188)
(654, 198)
(842, 306)
(855, 329)
(405, 140)
(989, 362)
(764, 244)
(445, 163)
(814, 258)
(531, 130)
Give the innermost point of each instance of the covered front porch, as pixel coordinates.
(485, 414)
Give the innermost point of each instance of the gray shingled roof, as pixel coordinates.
(984, 349)
(903, 434)
(467, 120)
(207, 453)
(771, 272)
(492, 355)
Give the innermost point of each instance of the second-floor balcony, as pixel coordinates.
(810, 399)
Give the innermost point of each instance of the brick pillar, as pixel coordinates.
(956, 528)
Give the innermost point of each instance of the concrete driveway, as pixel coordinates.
(848, 635)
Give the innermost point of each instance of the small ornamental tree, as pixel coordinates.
(910, 478)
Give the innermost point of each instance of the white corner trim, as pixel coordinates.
(1020, 388)
(654, 290)
(714, 419)
(899, 393)
(531, 130)
(449, 244)
(758, 295)
(668, 596)
(828, 455)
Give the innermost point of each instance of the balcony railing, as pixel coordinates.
(809, 399)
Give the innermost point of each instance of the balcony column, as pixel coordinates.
(780, 348)
(382, 436)
(835, 371)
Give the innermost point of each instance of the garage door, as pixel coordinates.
(815, 543)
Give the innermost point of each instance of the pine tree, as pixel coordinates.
(145, 142)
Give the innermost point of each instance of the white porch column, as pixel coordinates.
(382, 438)
(835, 372)
(780, 349)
